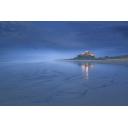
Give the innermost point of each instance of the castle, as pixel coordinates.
(86, 55)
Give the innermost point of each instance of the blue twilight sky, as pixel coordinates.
(56, 40)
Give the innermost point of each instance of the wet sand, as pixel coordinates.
(63, 83)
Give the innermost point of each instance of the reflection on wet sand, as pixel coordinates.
(85, 69)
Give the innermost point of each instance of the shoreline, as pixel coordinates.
(107, 60)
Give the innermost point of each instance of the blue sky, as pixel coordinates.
(62, 39)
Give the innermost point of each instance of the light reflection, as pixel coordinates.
(85, 69)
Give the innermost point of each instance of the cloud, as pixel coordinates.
(64, 35)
